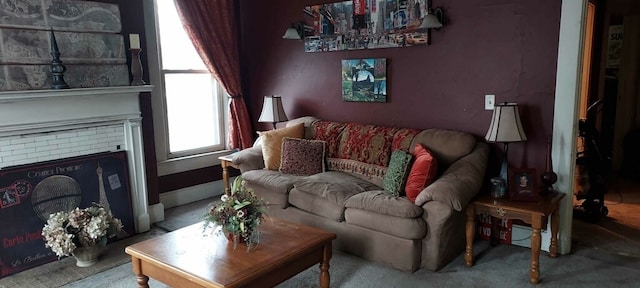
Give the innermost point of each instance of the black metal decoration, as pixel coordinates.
(57, 69)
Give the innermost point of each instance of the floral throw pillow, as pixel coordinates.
(302, 156)
(397, 172)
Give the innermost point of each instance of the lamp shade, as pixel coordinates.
(505, 124)
(430, 21)
(272, 110)
(291, 33)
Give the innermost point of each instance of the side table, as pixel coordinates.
(533, 213)
(226, 162)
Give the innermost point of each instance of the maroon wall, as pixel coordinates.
(506, 48)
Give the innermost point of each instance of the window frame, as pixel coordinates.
(167, 162)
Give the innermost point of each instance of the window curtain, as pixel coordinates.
(212, 26)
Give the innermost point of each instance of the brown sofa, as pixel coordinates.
(348, 199)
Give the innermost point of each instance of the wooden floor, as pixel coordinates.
(623, 201)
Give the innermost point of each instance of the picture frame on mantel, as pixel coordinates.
(523, 185)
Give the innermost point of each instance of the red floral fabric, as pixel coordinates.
(367, 143)
(403, 138)
(329, 132)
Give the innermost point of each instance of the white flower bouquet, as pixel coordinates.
(66, 231)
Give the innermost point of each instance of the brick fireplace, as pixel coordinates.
(43, 125)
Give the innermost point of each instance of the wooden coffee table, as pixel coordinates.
(186, 258)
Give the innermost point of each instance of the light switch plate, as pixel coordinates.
(489, 102)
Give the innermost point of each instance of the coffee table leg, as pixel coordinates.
(325, 279)
(143, 280)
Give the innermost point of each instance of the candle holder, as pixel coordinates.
(136, 67)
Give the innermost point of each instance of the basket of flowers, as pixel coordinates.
(82, 233)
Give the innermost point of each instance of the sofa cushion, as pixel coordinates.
(316, 205)
(325, 194)
(272, 186)
(302, 156)
(307, 121)
(407, 228)
(423, 171)
(272, 143)
(396, 176)
(369, 172)
(382, 203)
(329, 132)
(403, 138)
(366, 143)
(446, 145)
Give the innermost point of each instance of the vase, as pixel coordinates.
(88, 256)
(240, 238)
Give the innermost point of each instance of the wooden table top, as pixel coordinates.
(545, 206)
(210, 259)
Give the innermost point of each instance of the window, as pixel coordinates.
(188, 104)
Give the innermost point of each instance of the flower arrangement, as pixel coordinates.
(66, 231)
(238, 215)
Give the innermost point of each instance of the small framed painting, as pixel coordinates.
(523, 184)
(364, 80)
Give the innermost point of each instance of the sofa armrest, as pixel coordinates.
(249, 159)
(460, 182)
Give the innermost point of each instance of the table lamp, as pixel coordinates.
(505, 127)
(272, 110)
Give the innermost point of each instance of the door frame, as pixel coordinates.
(566, 109)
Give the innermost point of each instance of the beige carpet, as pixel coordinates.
(59, 273)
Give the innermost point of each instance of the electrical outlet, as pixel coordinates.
(489, 102)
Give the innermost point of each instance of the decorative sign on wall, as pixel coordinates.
(364, 24)
(87, 38)
(30, 193)
(364, 80)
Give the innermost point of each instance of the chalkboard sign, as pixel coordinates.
(29, 193)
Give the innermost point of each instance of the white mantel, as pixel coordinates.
(30, 112)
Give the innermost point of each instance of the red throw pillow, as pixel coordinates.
(423, 172)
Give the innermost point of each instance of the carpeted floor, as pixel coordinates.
(601, 258)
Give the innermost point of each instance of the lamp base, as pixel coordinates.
(504, 173)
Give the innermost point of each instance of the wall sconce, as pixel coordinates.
(272, 110)
(294, 32)
(435, 18)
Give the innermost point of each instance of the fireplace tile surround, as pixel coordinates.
(42, 125)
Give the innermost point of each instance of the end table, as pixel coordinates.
(533, 213)
(226, 161)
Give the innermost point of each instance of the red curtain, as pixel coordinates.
(212, 26)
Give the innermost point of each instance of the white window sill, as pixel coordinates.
(187, 163)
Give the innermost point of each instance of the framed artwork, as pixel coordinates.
(363, 24)
(364, 80)
(523, 184)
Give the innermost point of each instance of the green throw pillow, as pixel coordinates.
(397, 172)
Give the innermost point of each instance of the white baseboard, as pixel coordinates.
(191, 194)
(156, 212)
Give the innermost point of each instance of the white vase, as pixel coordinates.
(88, 256)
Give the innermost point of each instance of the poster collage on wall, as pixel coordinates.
(364, 24)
